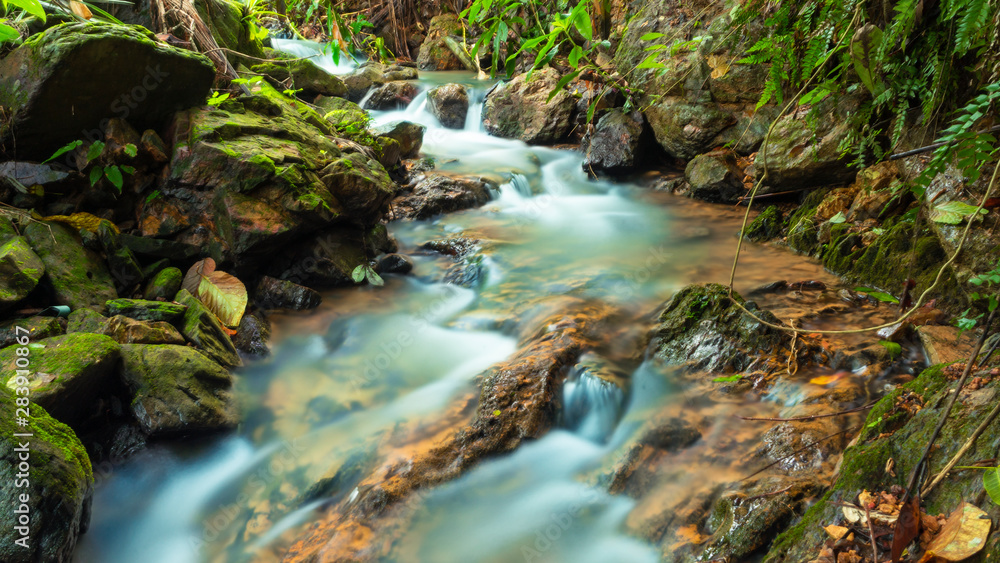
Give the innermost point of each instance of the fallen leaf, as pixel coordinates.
(828, 379)
(80, 10)
(836, 532)
(962, 536)
(80, 221)
(719, 65)
(222, 293)
(907, 527)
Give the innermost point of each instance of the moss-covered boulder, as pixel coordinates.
(69, 373)
(521, 109)
(125, 330)
(164, 285)
(342, 113)
(685, 129)
(301, 74)
(449, 104)
(228, 20)
(45, 478)
(20, 271)
(409, 135)
(77, 276)
(37, 328)
(68, 81)
(176, 389)
(86, 320)
(766, 226)
(144, 310)
(701, 328)
(203, 328)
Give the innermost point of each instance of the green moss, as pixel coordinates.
(143, 310)
(765, 226)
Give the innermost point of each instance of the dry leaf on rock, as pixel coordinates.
(719, 64)
(80, 221)
(80, 10)
(222, 293)
(962, 536)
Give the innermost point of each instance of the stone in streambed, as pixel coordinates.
(409, 135)
(301, 74)
(203, 328)
(69, 373)
(69, 79)
(252, 336)
(715, 177)
(392, 95)
(37, 328)
(612, 147)
(78, 276)
(394, 264)
(449, 104)
(20, 271)
(144, 310)
(521, 109)
(766, 226)
(177, 389)
(164, 285)
(273, 293)
(56, 492)
(439, 193)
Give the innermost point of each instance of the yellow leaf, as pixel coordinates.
(961, 537)
(223, 294)
(80, 10)
(80, 221)
(719, 65)
(828, 379)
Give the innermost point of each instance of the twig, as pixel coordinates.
(929, 148)
(770, 494)
(814, 417)
(965, 448)
(803, 448)
(871, 534)
(948, 407)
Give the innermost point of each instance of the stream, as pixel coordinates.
(369, 359)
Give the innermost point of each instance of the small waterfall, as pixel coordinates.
(319, 53)
(474, 119)
(520, 184)
(591, 405)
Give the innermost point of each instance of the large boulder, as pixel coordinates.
(437, 52)
(612, 147)
(68, 81)
(69, 374)
(440, 193)
(409, 135)
(46, 482)
(20, 271)
(301, 74)
(449, 104)
(686, 129)
(715, 177)
(392, 95)
(342, 113)
(77, 276)
(521, 109)
(177, 389)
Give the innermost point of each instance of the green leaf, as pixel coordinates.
(581, 21)
(574, 56)
(115, 176)
(652, 36)
(954, 212)
(877, 295)
(729, 378)
(561, 85)
(95, 150)
(96, 173)
(373, 278)
(127, 169)
(991, 482)
(651, 62)
(8, 33)
(33, 7)
(223, 294)
(894, 349)
(131, 150)
(358, 275)
(65, 149)
(838, 218)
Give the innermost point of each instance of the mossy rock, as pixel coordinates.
(59, 484)
(228, 22)
(205, 330)
(164, 285)
(145, 310)
(69, 373)
(342, 113)
(20, 271)
(177, 389)
(66, 81)
(685, 129)
(86, 320)
(37, 328)
(301, 74)
(766, 226)
(77, 276)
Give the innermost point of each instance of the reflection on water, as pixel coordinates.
(372, 359)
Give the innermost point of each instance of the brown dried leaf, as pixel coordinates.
(719, 64)
(907, 527)
(223, 294)
(80, 10)
(962, 536)
(80, 221)
(836, 532)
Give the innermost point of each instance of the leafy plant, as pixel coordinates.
(217, 98)
(113, 172)
(990, 281)
(729, 378)
(880, 296)
(365, 271)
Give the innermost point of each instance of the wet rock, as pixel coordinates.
(449, 104)
(766, 226)
(877, 192)
(56, 493)
(30, 174)
(86, 320)
(435, 52)
(301, 74)
(802, 153)
(59, 89)
(439, 194)
(700, 328)
(156, 248)
(326, 260)
(342, 113)
(394, 264)
(69, 373)
(77, 276)
(520, 109)
(144, 310)
(686, 129)
(392, 95)
(203, 328)
(36, 328)
(124, 266)
(273, 293)
(362, 80)
(671, 434)
(409, 135)
(20, 271)
(164, 285)
(177, 389)
(715, 177)
(227, 20)
(942, 344)
(612, 147)
(253, 335)
(130, 331)
(151, 145)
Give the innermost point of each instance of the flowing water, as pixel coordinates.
(370, 359)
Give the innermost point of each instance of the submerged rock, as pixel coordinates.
(69, 80)
(520, 109)
(55, 494)
(177, 389)
(613, 146)
(78, 276)
(449, 104)
(439, 193)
